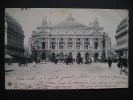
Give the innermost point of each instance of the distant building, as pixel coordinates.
(113, 53)
(70, 37)
(26, 50)
(14, 37)
(122, 38)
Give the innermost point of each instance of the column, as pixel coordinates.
(83, 43)
(73, 43)
(56, 44)
(105, 44)
(94, 43)
(91, 42)
(98, 43)
(6, 36)
(65, 43)
(6, 27)
(101, 45)
(48, 43)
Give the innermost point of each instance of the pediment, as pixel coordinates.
(96, 33)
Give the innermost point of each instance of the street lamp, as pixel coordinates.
(108, 54)
(50, 43)
(103, 47)
(36, 49)
(90, 52)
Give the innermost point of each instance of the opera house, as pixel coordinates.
(70, 37)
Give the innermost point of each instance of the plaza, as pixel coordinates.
(47, 75)
(46, 68)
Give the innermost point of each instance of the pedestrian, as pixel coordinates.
(109, 62)
(34, 62)
(71, 60)
(122, 64)
(56, 60)
(26, 61)
(19, 61)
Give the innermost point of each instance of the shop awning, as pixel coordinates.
(8, 56)
(123, 49)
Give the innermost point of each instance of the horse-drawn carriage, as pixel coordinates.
(22, 61)
(69, 60)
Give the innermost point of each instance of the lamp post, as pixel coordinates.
(103, 47)
(50, 42)
(33, 56)
(90, 53)
(108, 54)
(36, 48)
(36, 57)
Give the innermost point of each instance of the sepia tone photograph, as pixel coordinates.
(66, 48)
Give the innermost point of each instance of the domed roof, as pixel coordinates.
(44, 24)
(96, 23)
(70, 23)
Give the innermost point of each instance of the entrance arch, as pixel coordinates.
(70, 54)
(86, 56)
(43, 56)
(53, 55)
(96, 56)
(78, 55)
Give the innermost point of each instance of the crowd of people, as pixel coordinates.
(121, 62)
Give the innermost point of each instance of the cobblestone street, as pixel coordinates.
(46, 68)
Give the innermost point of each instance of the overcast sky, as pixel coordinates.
(33, 17)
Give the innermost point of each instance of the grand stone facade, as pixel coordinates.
(122, 38)
(70, 36)
(14, 37)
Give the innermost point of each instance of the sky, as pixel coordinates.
(31, 18)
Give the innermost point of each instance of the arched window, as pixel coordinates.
(53, 45)
(69, 45)
(53, 39)
(86, 45)
(70, 39)
(78, 39)
(78, 45)
(61, 39)
(61, 45)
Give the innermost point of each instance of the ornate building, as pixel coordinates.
(122, 38)
(70, 36)
(14, 37)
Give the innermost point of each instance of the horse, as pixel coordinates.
(22, 60)
(69, 60)
(79, 60)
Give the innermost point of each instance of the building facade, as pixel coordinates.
(70, 36)
(122, 38)
(14, 37)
